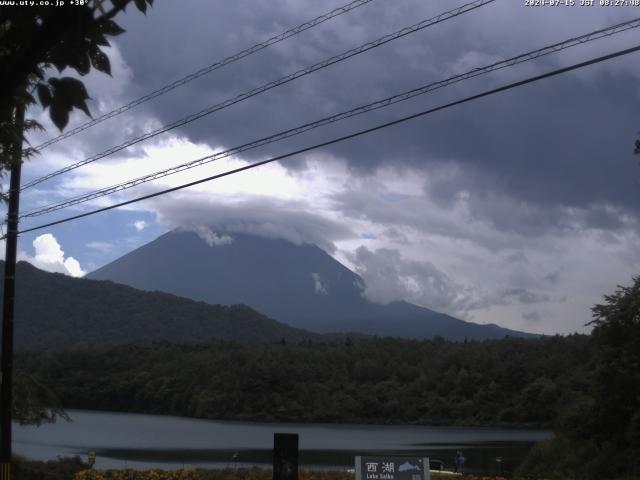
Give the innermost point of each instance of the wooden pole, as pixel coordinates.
(285, 456)
(8, 301)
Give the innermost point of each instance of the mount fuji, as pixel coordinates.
(299, 284)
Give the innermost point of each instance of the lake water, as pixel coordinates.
(123, 440)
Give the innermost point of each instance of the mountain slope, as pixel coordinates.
(54, 311)
(301, 285)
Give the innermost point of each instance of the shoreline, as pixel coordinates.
(276, 421)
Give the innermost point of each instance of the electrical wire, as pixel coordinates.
(208, 69)
(345, 137)
(268, 86)
(592, 36)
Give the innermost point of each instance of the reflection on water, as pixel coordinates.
(142, 441)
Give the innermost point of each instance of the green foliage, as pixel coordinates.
(33, 402)
(598, 435)
(516, 382)
(616, 387)
(55, 311)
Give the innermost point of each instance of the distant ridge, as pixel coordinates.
(300, 285)
(55, 311)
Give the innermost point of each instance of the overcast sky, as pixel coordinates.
(520, 209)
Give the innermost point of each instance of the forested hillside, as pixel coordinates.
(55, 311)
(503, 382)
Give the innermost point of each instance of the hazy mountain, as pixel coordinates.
(301, 285)
(54, 311)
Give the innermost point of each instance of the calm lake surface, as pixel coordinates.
(123, 440)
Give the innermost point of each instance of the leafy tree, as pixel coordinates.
(34, 40)
(598, 435)
(616, 392)
(33, 402)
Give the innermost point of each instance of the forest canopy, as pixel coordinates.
(506, 382)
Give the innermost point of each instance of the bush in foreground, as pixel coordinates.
(60, 469)
(231, 474)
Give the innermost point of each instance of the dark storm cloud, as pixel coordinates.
(525, 296)
(552, 277)
(517, 257)
(544, 149)
(533, 217)
(500, 215)
(533, 317)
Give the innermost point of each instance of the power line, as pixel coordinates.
(345, 137)
(268, 86)
(208, 69)
(595, 35)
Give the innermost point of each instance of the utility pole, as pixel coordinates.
(6, 367)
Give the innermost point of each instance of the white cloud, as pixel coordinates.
(73, 267)
(318, 286)
(102, 247)
(245, 213)
(211, 237)
(50, 257)
(139, 225)
(388, 276)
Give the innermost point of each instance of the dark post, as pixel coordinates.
(285, 456)
(6, 373)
